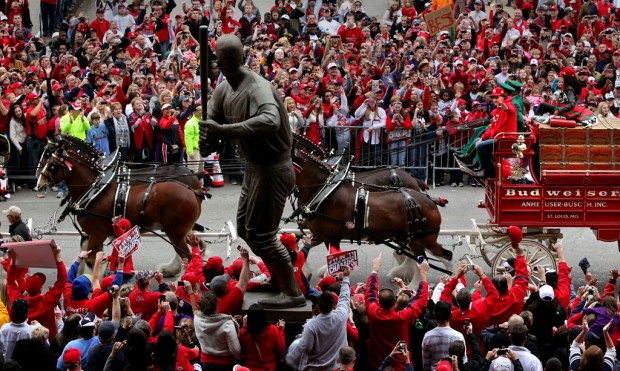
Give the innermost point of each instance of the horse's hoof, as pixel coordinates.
(167, 271)
(402, 272)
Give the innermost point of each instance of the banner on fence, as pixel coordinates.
(128, 242)
(344, 258)
(439, 20)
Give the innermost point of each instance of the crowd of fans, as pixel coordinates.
(130, 319)
(383, 87)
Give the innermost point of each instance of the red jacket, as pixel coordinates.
(388, 327)
(100, 27)
(142, 130)
(184, 355)
(504, 121)
(262, 353)
(351, 35)
(144, 302)
(40, 307)
(479, 311)
(562, 291)
(511, 302)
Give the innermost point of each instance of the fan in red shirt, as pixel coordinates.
(230, 292)
(388, 327)
(511, 298)
(142, 300)
(350, 33)
(121, 226)
(477, 312)
(40, 306)
(261, 343)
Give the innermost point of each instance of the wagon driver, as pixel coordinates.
(504, 121)
(247, 108)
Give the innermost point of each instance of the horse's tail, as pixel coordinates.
(439, 201)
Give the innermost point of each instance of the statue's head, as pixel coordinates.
(229, 52)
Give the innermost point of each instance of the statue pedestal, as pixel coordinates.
(299, 314)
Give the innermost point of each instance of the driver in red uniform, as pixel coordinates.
(504, 121)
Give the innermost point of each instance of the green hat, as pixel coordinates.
(507, 87)
(514, 84)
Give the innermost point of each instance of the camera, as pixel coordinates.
(590, 290)
(421, 259)
(502, 352)
(466, 323)
(82, 19)
(182, 326)
(402, 346)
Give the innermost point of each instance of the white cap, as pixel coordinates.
(534, 62)
(458, 62)
(502, 363)
(591, 79)
(285, 16)
(332, 65)
(292, 69)
(609, 95)
(546, 293)
(165, 106)
(13, 211)
(617, 85)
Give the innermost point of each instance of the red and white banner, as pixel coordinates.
(128, 242)
(341, 259)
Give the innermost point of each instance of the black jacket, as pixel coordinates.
(19, 228)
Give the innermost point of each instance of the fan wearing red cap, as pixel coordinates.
(40, 306)
(71, 359)
(121, 226)
(510, 298)
(504, 121)
(298, 258)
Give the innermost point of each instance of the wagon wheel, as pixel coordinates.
(492, 246)
(535, 254)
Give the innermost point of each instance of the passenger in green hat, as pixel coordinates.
(517, 101)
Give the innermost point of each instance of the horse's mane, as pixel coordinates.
(308, 144)
(313, 159)
(89, 151)
(81, 145)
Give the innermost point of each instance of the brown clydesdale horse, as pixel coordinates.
(374, 180)
(173, 206)
(387, 217)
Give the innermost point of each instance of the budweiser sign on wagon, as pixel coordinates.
(128, 242)
(568, 205)
(340, 259)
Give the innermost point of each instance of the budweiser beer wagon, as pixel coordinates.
(571, 180)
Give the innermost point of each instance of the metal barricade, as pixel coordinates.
(427, 155)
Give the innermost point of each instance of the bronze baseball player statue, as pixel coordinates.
(247, 108)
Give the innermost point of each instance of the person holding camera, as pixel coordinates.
(467, 311)
(399, 348)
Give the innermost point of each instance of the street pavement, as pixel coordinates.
(578, 242)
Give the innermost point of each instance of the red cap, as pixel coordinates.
(191, 277)
(460, 101)
(34, 284)
(16, 85)
(124, 224)
(132, 35)
(214, 263)
(325, 282)
(497, 92)
(72, 355)
(106, 282)
(444, 366)
(32, 96)
(303, 86)
(516, 236)
(236, 266)
(289, 241)
(567, 71)
(553, 7)
(115, 71)
(527, 6)
(56, 87)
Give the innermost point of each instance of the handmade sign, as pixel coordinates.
(128, 242)
(341, 259)
(34, 254)
(439, 20)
